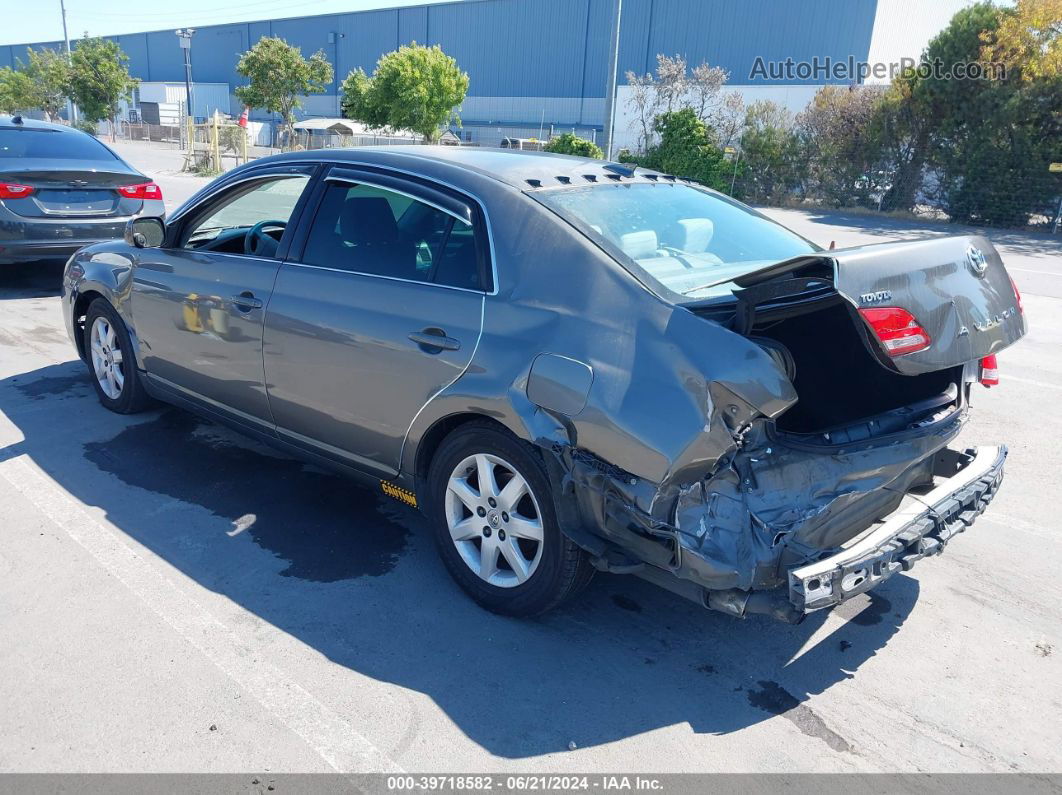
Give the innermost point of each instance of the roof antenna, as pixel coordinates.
(17, 119)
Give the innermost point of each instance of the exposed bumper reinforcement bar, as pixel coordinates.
(911, 533)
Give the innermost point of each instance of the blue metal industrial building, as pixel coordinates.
(531, 62)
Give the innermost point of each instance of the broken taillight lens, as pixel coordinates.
(897, 329)
(989, 373)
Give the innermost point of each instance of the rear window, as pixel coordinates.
(52, 146)
(688, 240)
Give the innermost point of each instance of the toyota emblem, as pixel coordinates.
(977, 261)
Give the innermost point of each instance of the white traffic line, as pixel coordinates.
(1034, 382)
(1030, 270)
(327, 733)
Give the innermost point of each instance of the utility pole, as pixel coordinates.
(66, 43)
(610, 89)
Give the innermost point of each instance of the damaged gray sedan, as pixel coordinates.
(570, 365)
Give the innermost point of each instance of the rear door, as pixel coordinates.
(955, 287)
(378, 308)
(198, 303)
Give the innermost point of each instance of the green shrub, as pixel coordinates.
(686, 150)
(87, 125)
(569, 144)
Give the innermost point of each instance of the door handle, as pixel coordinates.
(434, 340)
(246, 301)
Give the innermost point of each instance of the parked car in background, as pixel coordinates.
(570, 365)
(61, 189)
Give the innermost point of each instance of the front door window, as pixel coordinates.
(250, 219)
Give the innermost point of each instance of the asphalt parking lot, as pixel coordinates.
(175, 598)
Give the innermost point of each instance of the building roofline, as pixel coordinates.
(73, 41)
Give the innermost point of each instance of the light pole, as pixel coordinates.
(333, 39)
(66, 44)
(610, 89)
(184, 38)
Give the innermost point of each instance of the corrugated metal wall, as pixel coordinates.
(527, 59)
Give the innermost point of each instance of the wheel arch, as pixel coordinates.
(433, 437)
(81, 305)
(88, 292)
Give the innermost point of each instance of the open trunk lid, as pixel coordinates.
(955, 287)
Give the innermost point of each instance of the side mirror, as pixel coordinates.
(145, 232)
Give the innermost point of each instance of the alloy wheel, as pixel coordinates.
(107, 358)
(494, 520)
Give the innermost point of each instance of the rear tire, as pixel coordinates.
(110, 360)
(502, 542)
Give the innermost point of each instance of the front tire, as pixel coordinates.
(109, 356)
(492, 511)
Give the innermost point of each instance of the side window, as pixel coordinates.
(249, 219)
(371, 230)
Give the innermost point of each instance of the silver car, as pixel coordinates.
(61, 189)
(570, 365)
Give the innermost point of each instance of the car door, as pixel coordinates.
(198, 302)
(378, 308)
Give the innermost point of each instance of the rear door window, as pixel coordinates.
(371, 230)
(51, 145)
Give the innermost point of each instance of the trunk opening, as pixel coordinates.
(845, 393)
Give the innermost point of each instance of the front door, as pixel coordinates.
(198, 305)
(380, 311)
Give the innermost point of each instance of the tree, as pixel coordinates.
(48, 72)
(686, 150)
(100, 80)
(835, 128)
(898, 139)
(1028, 39)
(413, 88)
(771, 153)
(16, 91)
(279, 76)
(569, 144)
(991, 139)
(673, 88)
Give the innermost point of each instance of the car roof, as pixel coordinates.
(519, 168)
(8, 122)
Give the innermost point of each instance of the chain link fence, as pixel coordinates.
(1003, 195)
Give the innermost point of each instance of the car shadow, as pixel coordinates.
(355, 577)
(31, 279)
(1016, 241)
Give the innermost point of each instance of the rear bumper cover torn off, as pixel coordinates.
(915, 531)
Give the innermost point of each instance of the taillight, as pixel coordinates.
(1017, 295)
(989, 375)
(12, 190)
(149, 190)
(897, 329)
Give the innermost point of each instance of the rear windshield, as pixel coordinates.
(52, 145)
(690, 241)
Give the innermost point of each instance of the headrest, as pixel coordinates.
(639, 245)
(368, 220)
(697, 234)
